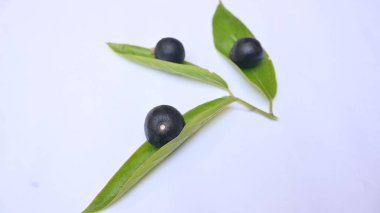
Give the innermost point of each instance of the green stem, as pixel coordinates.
(271, 107)
(269, 115)
(253, 108)
(229, 92)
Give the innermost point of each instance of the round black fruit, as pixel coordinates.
(162, 124)
(247, 52)
(170, 49)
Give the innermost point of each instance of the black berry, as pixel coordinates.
(162, 124)
(247, 52)
(170, 49)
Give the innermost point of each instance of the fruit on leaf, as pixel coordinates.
(170, 49)
(162, 124)
(246, 52)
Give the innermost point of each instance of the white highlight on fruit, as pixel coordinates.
(162, 127)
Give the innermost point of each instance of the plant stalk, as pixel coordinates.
(253, 108)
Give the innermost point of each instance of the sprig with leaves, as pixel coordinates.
(227, 29)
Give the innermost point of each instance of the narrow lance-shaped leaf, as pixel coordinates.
(227, 29)
(145, 56)
(147, 156)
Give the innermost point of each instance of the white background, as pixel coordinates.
(72, 111)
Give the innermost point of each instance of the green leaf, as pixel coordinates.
(145, 56)
(227, 29)
(147, 157)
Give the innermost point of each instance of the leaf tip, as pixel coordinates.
(86, 211)
(93, 207)
(89, 209)
(114, 46)
(110, 44)
(221, 4)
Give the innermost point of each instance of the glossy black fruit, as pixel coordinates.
(170, 49)
(247, 52)
(162, 124)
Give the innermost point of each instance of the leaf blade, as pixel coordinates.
(145, 57)
(227, 29)
(146, 157)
